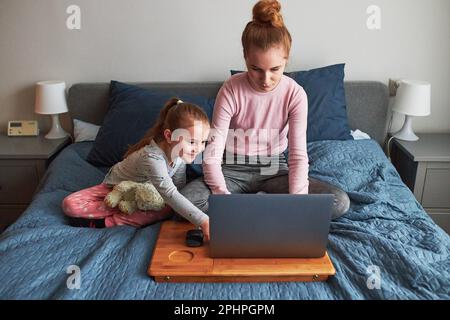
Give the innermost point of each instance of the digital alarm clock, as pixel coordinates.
(23, 128)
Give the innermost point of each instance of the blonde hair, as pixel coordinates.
(175, 114)
(267, 28)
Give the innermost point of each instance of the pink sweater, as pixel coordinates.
(283, 111)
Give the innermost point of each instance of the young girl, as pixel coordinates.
(261, 99)
(160, 157)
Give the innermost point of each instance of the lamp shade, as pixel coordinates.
(413, 98)
(50, 97)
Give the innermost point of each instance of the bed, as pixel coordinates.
(385, 247)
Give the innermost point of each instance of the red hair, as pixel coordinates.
(267, 28)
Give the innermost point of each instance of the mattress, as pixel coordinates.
(385, 247)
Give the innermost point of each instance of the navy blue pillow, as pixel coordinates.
(327, 108)
(132, 111)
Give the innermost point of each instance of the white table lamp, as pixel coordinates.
(413, 100)
(51, 99)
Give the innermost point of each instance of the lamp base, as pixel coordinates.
(406, 132)
(56, 132)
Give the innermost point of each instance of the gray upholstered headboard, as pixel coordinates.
(367, 102)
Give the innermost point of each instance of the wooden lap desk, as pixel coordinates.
(173, 261)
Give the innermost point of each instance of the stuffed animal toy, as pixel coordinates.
(130, 196)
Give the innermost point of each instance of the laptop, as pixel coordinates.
(269, 225)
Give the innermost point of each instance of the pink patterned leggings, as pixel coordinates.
(88, 204)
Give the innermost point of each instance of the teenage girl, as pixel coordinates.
(261, 99)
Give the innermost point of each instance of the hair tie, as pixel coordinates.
(179, 101)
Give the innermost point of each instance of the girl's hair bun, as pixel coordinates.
(268, 12)
(267, 28)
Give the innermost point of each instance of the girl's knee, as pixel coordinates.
(196, 191)
(198, 199)
(68, 205)
(341, 204)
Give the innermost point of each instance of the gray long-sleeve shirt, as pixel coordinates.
(150, 164)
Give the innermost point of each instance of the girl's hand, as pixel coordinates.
(205, 229)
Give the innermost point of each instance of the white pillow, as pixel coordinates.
(84, 131)
(359, 135)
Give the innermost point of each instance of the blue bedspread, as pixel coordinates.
(386, 231)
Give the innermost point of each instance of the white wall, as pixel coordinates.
(199, 40)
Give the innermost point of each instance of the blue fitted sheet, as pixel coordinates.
(385, 227)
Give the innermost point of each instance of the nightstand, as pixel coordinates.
(23, 161)
(424, 166)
